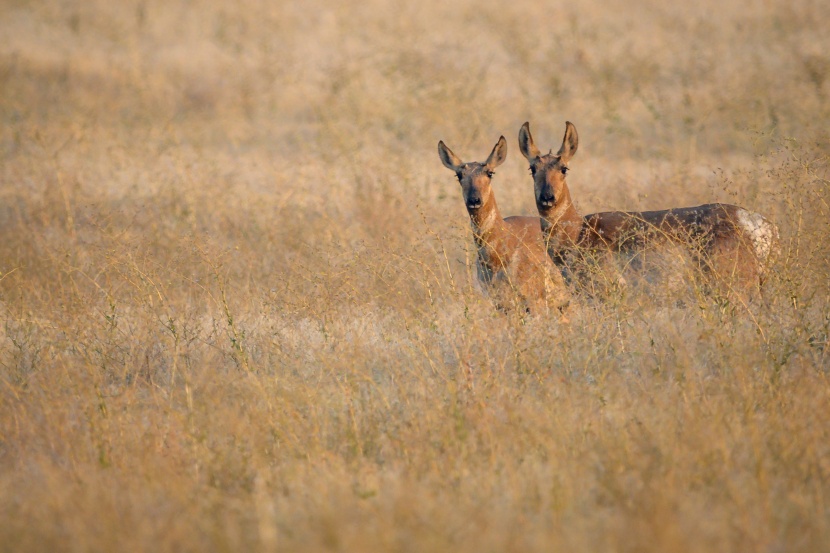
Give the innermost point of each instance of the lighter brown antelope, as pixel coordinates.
(726, 241)
(511, 260)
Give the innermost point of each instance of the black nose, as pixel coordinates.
(547, 199)
(474, 203)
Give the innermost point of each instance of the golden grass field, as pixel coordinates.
(236, 282)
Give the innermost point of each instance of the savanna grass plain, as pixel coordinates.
(236, 283)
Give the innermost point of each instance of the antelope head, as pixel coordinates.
(549, 170)
(474, 176)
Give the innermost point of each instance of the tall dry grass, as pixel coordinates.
(236, 282)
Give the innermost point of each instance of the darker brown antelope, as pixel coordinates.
(511, 261)
(724, 240)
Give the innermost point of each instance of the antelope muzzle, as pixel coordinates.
(546, 197)
(474, 202)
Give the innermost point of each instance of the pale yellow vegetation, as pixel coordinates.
(236, 281)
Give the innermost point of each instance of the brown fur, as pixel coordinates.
(511, 261)
(725, 240)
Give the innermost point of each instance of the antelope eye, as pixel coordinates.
(564, 170)
(458, 176)
(533, 170)
(490, 174)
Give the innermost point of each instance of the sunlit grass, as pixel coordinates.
(238, 309)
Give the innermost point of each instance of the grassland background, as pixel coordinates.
(237, 305)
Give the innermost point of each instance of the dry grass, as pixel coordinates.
(237, 306)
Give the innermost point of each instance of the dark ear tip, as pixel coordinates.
(526, 125)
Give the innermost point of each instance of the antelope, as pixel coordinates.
(511, 258)
(726, 241)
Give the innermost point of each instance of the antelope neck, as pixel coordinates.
(561, 224)
(484, 220)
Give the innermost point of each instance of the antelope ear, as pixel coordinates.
(569, 142)
(526, 145)
(498, 155)
(449, 159)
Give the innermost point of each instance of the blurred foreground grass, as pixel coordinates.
(237, 305)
